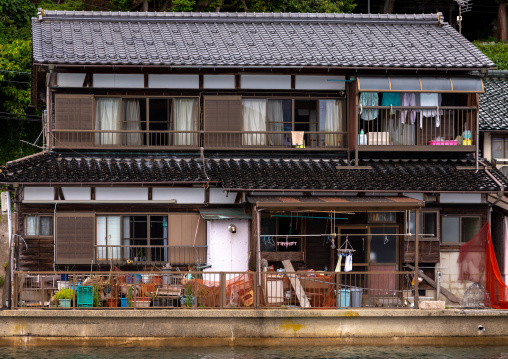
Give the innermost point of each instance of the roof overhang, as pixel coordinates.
(374, 203)
(224, 213)
(458, 84)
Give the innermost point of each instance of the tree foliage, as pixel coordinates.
(496, 51)
(15, 63)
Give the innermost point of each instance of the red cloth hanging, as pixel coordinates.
(478, 263)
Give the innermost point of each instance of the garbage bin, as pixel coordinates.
(343, 298)
(356, 296)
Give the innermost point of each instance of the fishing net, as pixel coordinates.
(478, 263)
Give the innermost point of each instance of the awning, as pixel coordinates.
(420, 84)
(224, 213)
(501, 203)
(373, 203)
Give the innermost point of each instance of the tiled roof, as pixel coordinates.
(494, 102)
(251, 39)
(254, 173)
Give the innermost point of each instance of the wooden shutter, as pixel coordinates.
(73, 113)
(223, 114)
(181, 232)
(75, 238)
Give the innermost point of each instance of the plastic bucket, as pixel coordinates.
(125, 302)
(65, 303)
(343, 298)
(356, 296)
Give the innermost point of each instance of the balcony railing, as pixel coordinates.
(196, 290)
(149, 254)
(123, 139)
(431, 127)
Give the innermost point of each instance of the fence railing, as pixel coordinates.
(149, 254)
(416, 126)
(221, 290)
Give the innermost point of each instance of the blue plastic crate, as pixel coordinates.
(85, 296)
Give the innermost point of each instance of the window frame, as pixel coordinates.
(38, 224)
(461, 217)
(438, 226)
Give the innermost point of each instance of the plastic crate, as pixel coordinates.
(85, 296)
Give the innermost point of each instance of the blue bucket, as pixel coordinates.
(125, 302)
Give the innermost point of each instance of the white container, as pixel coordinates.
(362, 140)
(63, 284)
(147, 278)
(142, 303)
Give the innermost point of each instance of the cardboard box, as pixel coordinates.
(378, 138)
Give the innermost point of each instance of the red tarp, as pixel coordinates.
(478, 263)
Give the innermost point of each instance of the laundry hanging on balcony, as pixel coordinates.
(431, 99)
(408, 99)
(369, 99)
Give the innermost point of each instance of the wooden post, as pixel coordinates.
(222, 292)
(417, 245)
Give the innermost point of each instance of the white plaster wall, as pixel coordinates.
(77, 193)
(38, 194)
(181, 195)
(70, 80)
(217, 195)
(303, 82)
(461, 198)
(173, 81)
(119, 80)
(219, 81)
(266, 82)
(228, 252)
(418, 196)
(450, 275)
(121, 194)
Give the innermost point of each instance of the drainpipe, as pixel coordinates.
(417, 254)
(11, 255)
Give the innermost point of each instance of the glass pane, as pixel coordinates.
(411, 226)
(278, 120)
(430, 225)
(107, 118)
(467, 84)
(133, 119)
(505, 148)
(383, 246)
(113, 237)
(498, 148)
(470, 228)
(330, 118)
(31, 226)
(436, 84)
(101, 237)
(373, 83)
(46, 225)
(451, 232)
(268, 229)
(405, 83)
(159, 119)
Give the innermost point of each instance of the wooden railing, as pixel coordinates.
(198, 289)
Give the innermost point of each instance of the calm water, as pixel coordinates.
(388, 352)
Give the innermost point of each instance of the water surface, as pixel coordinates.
(343, 352)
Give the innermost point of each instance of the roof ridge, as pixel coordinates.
(236, 16)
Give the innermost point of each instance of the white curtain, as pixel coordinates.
(107, 118)
(275, 122)
(108, 235)
(186, 119)
(333, 122)
(131, 116)
(254, 119)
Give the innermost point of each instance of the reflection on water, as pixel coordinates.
(342, 352)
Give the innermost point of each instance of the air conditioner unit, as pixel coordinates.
(4, 201)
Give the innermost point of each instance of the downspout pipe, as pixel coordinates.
(11, 253)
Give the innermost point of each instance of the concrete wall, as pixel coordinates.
(450, 275)
(253, 327)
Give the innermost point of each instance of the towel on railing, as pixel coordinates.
(297, 138)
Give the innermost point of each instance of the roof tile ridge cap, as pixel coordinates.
(28, 157)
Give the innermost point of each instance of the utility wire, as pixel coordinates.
(17, 72)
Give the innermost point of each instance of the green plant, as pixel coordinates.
(2, 280)
(5, 265)
(96, 296)
(64, 294)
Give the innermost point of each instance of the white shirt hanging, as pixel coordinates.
(348, 264)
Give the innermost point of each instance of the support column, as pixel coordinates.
(417, 245)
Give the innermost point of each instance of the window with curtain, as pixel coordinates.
(330, 120)
(107, 118)
(133, 119)
(278, 120)
(186, 119)
(254, 119)
(37, 225)
(108, 237)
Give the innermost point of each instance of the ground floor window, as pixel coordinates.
(38, 225)
(459, 229)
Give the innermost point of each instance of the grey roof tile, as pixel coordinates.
(251, 39)
(494, 102)
(253, 173)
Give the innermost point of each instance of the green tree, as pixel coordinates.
(496, 51)
(15, 63)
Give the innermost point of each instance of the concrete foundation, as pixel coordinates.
(252, 327)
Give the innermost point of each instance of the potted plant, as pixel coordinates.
(64, 297)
